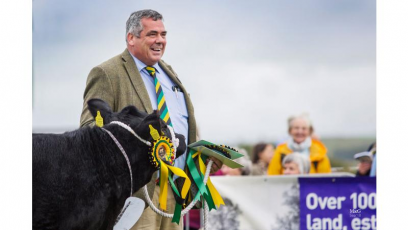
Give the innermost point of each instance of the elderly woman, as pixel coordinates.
(295, 163)
(300, 131)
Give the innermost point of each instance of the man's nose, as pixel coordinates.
(160, 39)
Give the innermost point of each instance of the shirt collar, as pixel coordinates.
(141, 66)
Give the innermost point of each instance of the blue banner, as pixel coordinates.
(342, 203)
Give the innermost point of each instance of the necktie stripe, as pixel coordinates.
(166, 118)
(162, 109)
(160, 96)
(164, 113)
(160, 105)
(161, 101)
(158, 86)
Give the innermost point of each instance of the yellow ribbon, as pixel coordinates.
(164, 172)
(214, 193)
(187, 182)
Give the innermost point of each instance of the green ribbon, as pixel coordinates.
(198, 179)
(177, 209)
(197, 176)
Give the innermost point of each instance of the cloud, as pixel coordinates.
(247, 66)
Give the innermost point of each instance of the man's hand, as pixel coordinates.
(217, 164)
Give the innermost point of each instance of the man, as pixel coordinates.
(365, 160)
(373, 150)
(132, 78)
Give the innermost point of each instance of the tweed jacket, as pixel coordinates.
(118, 82)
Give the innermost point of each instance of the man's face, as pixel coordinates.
(150, 46)
(364, 165)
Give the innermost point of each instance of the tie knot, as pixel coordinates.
(151, 70)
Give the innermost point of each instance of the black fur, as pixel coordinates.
(81, 179)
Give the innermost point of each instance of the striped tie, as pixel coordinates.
(161, 102)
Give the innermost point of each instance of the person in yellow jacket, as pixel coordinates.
(300, 131)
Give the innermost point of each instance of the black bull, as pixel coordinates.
(81, 179)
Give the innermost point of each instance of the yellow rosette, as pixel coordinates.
(162, 156)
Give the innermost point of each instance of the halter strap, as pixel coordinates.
(121, 124)
(125, 155)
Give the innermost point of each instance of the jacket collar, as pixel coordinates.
(136, 80)
(141, 90)
(316, 153)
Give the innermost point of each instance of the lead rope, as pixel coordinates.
(131, 131)
(205, 215)
(189, 207)
(146, 194)
(125, 155)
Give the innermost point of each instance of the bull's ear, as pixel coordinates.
(95, 105)
(132, 110)
(152, 119)
(182, 145)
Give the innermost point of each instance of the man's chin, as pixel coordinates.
(155, 58)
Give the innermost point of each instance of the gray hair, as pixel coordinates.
(303, 116)
(134, 25)
(301, 160)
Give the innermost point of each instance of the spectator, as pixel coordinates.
(364, 163)
(261, 156)
(244, 171)
(373, 150)
(300, 131)
(296, 163)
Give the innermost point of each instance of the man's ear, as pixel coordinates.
(95, 105)
(129, 39)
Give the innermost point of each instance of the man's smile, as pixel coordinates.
(156, 50)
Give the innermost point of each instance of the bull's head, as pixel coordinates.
(141, 123)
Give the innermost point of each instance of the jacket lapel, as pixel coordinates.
(136, 80)
(170, 73)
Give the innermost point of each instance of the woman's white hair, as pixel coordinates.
(301, 160)
(303, 116)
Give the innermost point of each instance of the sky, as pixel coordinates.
(248, 65)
